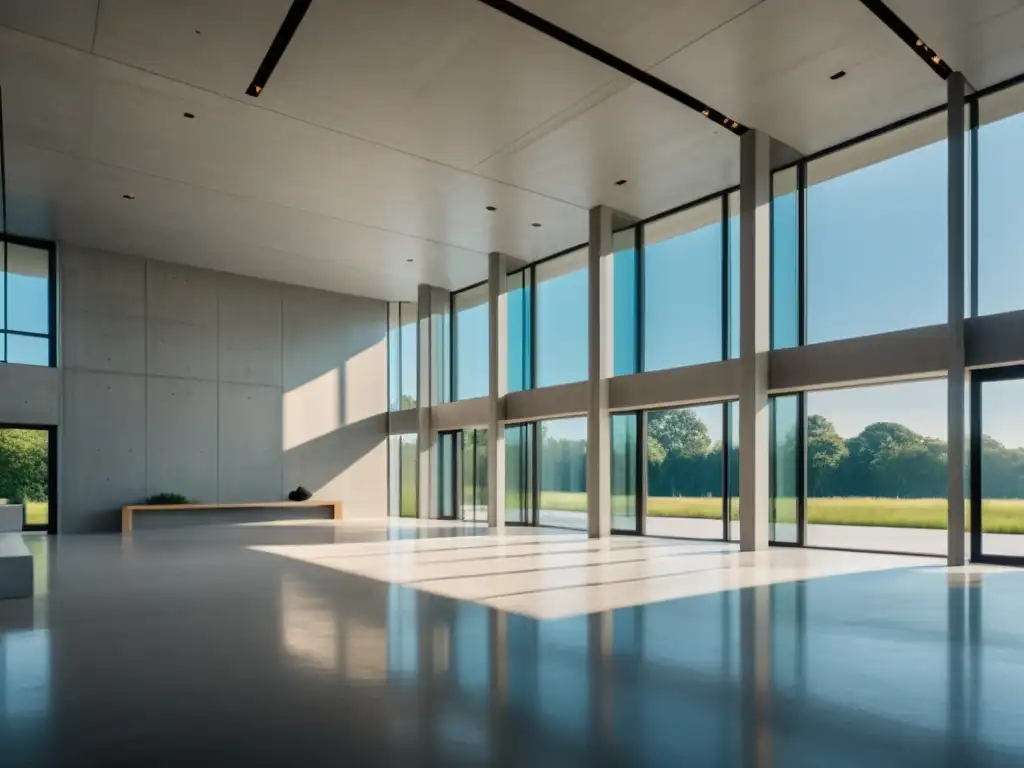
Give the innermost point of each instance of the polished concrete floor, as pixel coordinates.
(321, 644)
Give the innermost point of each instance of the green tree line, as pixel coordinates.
(885, 459)
(24, 465)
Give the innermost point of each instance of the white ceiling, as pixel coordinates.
(389, 125)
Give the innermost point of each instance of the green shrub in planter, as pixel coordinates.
(163, 499)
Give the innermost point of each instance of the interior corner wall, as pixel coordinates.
(219, 387)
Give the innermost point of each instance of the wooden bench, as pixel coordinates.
(128, 513)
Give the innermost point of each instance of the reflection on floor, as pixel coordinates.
(550, 575)
(215, 646)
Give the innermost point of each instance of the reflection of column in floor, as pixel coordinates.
(602, 706)
(756, 678)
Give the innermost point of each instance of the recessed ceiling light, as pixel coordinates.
(491, 208)
(409, 260)
(128, 197)
(837, 75)
(189, 116)
(620, 182)
(198, 31)
(535, 224)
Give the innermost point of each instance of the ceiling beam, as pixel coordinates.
(597, 53)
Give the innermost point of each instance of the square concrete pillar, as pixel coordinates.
(431, 382)
(755, 338)
(497, 310)
(958, 128)
(600, 306)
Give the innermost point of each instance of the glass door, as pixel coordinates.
(473, 473)
(997, 465)
(448, 483)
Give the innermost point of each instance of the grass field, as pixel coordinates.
(36, 512)
(999, 515)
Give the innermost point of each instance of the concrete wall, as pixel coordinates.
(220, 387)
(31, 395)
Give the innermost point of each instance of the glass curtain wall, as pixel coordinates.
(997, 468)
(560, 339)
(625, 302)
(26, 304)
(470, 341)
(562, 463)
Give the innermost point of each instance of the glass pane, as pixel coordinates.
(876, 468)
(785, 260)
(408, 364)
(625, 302)
(446, 489)
(684, 472)
(563, 473)
(409, 459)
(440, 350)
(28, 289)
(877, 234)
(1000, 227)
(561, 341)
(683, 288)
(472, 343)
(734, 275)
(1002, 468)
(474, 475)
(519, 473)
(27, 350)
(734, 471)
(520, 335)
(623, 470)
(394, 359)
(25, 472)
(785, 461)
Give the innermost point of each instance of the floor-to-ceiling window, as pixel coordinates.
(563, 473)
(520, 465)
(408, 462)
(625, 471)
(26, 479)
(685, 472)
(560, 340)
(876, 468)
(997, 468)
(26, 303)
(474, 475)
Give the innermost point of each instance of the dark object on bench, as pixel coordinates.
(300, 494)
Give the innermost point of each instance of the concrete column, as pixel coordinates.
(956, 124)
(426, 455)
(600, 340)
(755, 340)
(497, 309)
(434, 305)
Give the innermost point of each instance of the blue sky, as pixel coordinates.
(876, 262)
(27, 304)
